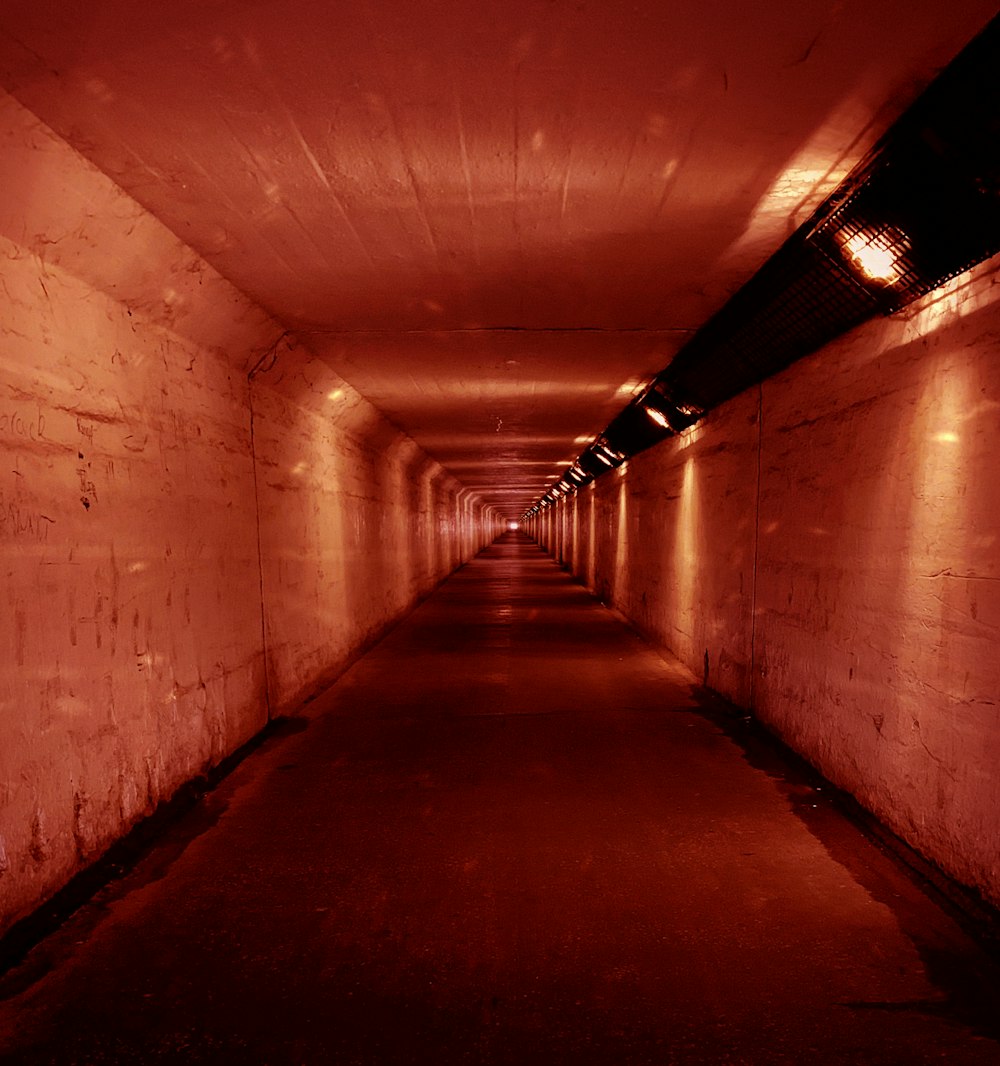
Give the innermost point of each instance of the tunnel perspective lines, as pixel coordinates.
(509, 834)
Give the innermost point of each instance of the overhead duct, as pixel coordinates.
(920, 209)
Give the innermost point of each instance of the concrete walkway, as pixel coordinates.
(509, 834)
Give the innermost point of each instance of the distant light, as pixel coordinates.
(947, 438)
(513, 526)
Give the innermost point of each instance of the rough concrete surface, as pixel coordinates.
(356, 522)
(832, 564)
(133, 567)
(512, 833)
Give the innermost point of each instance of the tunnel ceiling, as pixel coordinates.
(499, 219)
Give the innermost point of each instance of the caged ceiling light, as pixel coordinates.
(607, 454)
(664, 411)
(924, 206)
(657, 416)
(876, 256)
(592, 465)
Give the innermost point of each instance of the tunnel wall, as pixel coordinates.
(360, 523)
(131, 629)
(824, 551)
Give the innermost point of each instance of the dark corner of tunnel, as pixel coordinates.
(890, 870)
(169, 828)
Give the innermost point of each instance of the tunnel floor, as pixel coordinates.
(511, 833)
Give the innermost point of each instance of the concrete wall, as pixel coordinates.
(826, 551)
(131, 621)
(359, 523)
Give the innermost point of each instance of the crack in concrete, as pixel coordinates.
(948, 572)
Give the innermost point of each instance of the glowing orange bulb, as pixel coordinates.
(658, 417)
(875, 261)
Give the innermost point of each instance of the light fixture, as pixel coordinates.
(875, 255)
(656, 415)
(665, 410)
(607, 454)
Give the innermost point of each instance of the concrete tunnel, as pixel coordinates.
(459, 466)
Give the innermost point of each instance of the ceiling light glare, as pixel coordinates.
(876, 256)
(690, 411)
(613, 455)
(657, 416)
